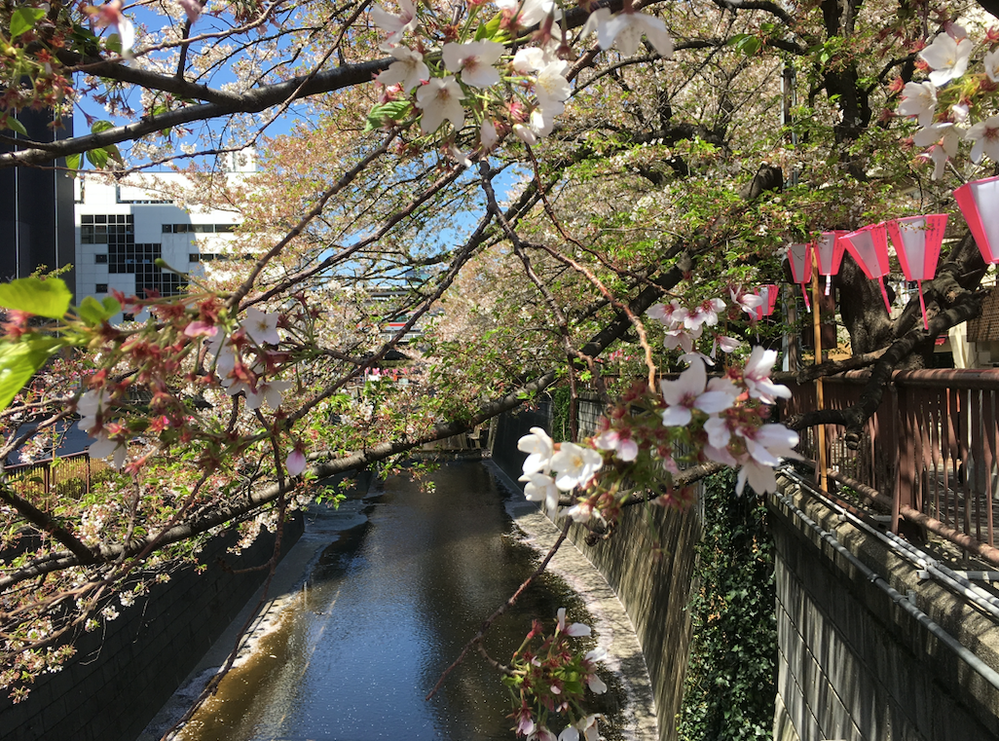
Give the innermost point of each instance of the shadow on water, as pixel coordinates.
(385, 610)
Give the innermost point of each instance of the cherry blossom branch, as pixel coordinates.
(346, 179)
(510, 602)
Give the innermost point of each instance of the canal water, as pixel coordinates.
(408, 579)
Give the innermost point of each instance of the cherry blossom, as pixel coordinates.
(624, 31)
(575, 465)
(105, 446)
(440, 99)
(986, 137)
(625, 448)
(110, 14)
(583, 512)
(541, 449)
(269, 391)
(551, 87)
(396, 25)
(475, 60)
(748, 302)
(261, 327)
(947, 56)
(725, 343)
(524, 720)
(535, 11)
(540, 487)
(488, 137)
(91, 406)
(704, 314)
(594, 682)
(991, 64)
(542, 734)
(919, 99)
(408, 70)
(525, 133)
(765, 447)
(569, 733)
(670, 315)
(295, 464)
(757, 377)
(576, 630)
(688, 393)
(943, 140)
(192, 8)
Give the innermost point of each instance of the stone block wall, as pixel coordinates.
(854, 664)
(124, 672)
(654, 590)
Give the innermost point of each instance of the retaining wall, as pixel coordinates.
(654, 590)
(123, 673)
(854, 663)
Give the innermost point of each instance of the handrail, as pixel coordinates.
(931, 449)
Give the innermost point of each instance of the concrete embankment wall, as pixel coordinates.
(857, 662)
(654, 589)
(124, 671)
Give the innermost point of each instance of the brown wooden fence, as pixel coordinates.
(43, 476)
(930, 451)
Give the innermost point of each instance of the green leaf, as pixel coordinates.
(394, 110)
(18, 363)
(746, 43)
(93, 312)
(491, 30)
(100, 126)
(98, 157)
(14, 125)
(48, 298)
(23, 20)
(73, 161)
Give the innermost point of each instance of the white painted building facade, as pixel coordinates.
(124, 226)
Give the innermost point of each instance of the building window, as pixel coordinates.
(123, 255)
(101, 288)
(194, 257)
(105, 228)
(198, 228)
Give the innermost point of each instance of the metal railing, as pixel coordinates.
(929, 452)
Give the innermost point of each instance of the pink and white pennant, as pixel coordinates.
(768, 293)
(917, 241)
(829, 254)
(979, 202)
(869, 247)
(800, 257)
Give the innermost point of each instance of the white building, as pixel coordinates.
(124, 226)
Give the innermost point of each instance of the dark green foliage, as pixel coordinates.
(731, 677)
(560, 413)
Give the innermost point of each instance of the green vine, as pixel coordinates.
(560, 413)
(730, 685)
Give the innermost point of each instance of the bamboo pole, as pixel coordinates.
(819, 399)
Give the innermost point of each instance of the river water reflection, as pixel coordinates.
(387, 607)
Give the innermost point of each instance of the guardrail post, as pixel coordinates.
(904, 456)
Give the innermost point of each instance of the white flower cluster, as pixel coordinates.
(473, 72)
(726, 430)
(684, 325)
(573, 465)
(754, 449)
(948, 58)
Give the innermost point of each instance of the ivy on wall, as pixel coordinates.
(730, 686)
(560, 413)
